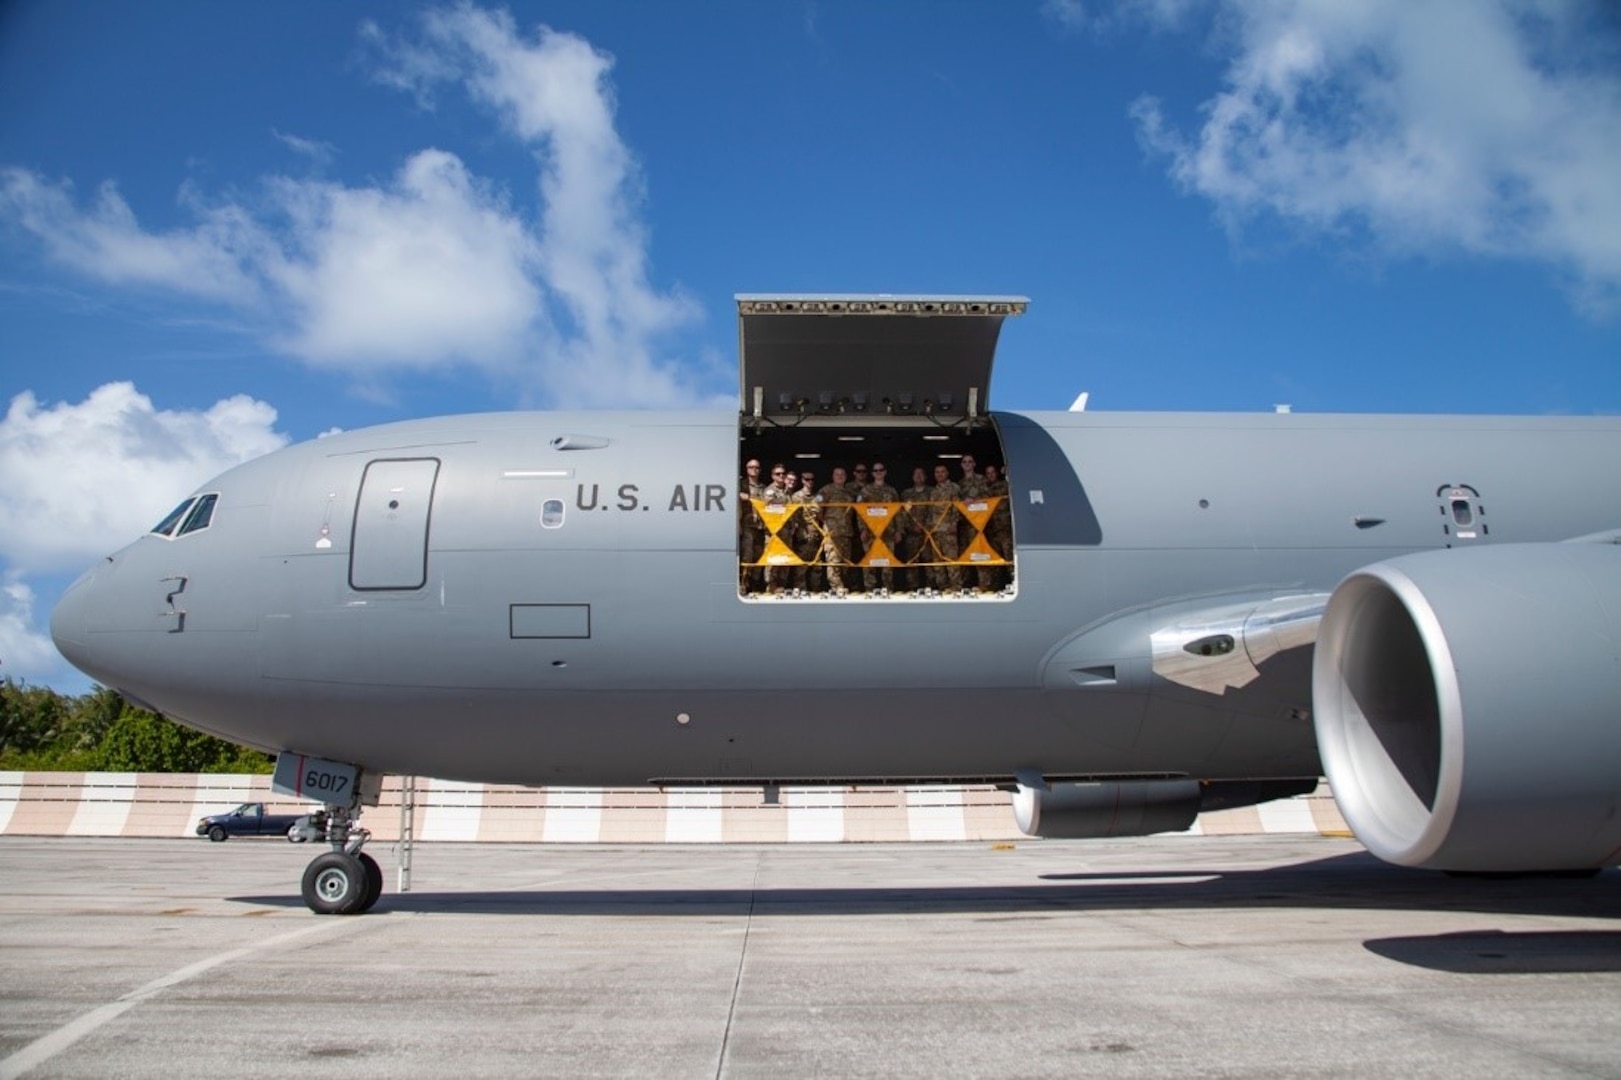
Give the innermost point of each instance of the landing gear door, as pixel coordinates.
(392, 513)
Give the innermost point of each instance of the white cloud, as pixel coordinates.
(431, 270)
(79, 481)
(1069, 14)
(105, 241)
(317, 153)
(1489, 128)
(26, 652)
(553, 94)
(434, 268)
(1105, 17)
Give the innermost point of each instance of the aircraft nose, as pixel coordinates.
(76, 613)
(70, 617)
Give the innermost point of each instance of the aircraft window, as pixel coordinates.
(200, 515)
(551, 514)
(1461, 512)
(166, 526)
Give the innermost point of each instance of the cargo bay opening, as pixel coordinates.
(835, 388)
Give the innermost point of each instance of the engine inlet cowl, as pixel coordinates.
(1466, 702)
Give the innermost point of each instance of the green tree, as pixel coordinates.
(41, 729)
(31, 719)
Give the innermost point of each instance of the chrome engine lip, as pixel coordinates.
(1376, 802)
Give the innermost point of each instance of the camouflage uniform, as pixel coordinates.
(972, 486)
(778, 577)
(807, 539)
(877, 577)
(838, 545)
(999, 531)
(751, 535)
(910, 545)
(942, 519)
(854, 485)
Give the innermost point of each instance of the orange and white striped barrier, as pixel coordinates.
(169, 805)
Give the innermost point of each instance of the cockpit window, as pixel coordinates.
(166, 526)
(200, 515)
(196, 512)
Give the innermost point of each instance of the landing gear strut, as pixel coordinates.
(345, 880)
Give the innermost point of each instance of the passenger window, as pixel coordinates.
(1461, 512)
(551, 514)
(166, 526)
(200, 515)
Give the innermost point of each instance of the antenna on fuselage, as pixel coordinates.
(1079, 404)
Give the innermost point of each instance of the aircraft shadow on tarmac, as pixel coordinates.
(1354, 881)
(1499, 952)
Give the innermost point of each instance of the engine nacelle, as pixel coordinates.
(1468, 706)
(1068, 811)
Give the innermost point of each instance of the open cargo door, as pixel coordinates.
(830, 385)
(853, 356)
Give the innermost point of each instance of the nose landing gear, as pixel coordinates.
(345, 880)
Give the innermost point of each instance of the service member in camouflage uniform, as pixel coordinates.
(808, 536)
(913, 548)
(838, 544)
(972, 486)
(751, 530)
(879, 491)
(777, 494)
(858, 480)
(1000, 529)
(942, 525)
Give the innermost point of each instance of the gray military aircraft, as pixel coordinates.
(1191, 611)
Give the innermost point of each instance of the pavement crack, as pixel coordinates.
(737, 978)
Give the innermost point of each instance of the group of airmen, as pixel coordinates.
(858, 533)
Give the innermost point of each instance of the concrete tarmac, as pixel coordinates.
(1164, 957)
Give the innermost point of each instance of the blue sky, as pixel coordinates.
(224, 227)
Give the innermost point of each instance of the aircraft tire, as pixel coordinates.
(374, 882)
(335, 884)
(218, 834)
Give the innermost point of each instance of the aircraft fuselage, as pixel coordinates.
(553, 598)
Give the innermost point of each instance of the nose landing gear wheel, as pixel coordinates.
(335, 883)
(374, 881)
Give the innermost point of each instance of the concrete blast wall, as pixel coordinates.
(168, 805)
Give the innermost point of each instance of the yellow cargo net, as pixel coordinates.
(875, 527)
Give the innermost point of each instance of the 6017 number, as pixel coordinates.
(325, 782)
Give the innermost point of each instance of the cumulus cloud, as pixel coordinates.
(104, 240)
(26, 652)
(433, 267)
(552, 93)
(80, 480)
(1489, 128)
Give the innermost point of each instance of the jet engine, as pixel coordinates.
(1468, 706)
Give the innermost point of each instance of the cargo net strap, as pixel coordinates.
(879, 526)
